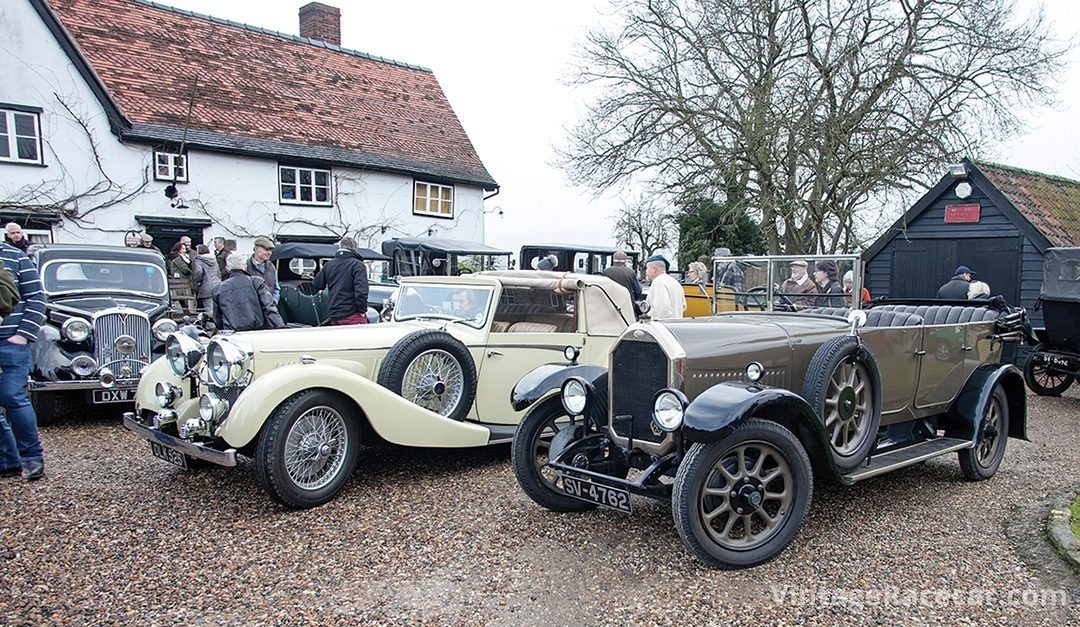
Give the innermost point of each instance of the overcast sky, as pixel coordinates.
(502, 65)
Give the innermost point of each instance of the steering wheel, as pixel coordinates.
(755, 297)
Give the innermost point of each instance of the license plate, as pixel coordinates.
(604, 496)
(173, 457)
(114, 396)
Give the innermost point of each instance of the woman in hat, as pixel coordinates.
(826, 277)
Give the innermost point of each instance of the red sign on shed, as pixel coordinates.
(961, 213)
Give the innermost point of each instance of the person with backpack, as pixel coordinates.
(22, 304)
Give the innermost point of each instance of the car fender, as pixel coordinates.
(543, 380)
(712, 414)
(966, 413)
(395, 419)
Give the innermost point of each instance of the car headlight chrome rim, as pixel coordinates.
(575, 396)
(166, 393)
(75, 330)
(225, 362)
(182, 353)
(669, 408)
(163, 328)
(754, 371)
(212, 407)
(83, 365)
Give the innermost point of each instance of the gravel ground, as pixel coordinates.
(114, 536)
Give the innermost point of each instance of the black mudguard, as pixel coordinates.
(542, 380)
(965, 415)
(711, 415)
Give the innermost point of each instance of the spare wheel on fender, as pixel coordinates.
(432, 369)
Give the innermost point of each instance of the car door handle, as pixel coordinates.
(920, 353)
(967, 348)
(493, 353)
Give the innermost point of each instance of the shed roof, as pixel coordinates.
(1050, 203)
(263, 93)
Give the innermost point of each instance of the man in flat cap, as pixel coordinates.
(259, 265)
(146, 240)
(801, 290)
(666, 298)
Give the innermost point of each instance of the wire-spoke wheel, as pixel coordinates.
(433, 370)
(843, 386)
(1040, 378)
(982, 461)
(315, 447)
(740, 501)
(307, 449)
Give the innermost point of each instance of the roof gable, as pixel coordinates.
(260, 92)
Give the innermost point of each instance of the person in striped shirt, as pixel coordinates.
(20, 447)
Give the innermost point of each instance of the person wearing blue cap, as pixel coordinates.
(957, 287)
(666, 298)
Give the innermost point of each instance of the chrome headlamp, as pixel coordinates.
(212, 408)
(570, 353)
(83, 365)
(225, 362)
(574, 395)
(182, 353)
(754, 371)
(163, 328)
(669, 407)
(75, 330)
(166, 393)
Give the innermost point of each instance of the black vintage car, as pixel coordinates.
(731, 417)
(431, 256)
(297, 264)
(107, 318)
(1055, 362)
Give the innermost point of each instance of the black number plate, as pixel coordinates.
(604, 496)
(173, 457)
(114, 396)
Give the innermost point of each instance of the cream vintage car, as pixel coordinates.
(439, 374)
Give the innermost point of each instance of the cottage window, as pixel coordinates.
(20, 136)
(303, 186)
(432, 199)
(170, 166)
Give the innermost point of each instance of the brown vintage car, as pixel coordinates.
(730, 416)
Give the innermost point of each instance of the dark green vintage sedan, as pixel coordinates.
(730, 416)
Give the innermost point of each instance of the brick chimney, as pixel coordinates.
(322, 22)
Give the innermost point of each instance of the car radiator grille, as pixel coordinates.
(110, 326)
(638, 371)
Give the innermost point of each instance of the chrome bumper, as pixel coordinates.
(198, 451)
(85, 384)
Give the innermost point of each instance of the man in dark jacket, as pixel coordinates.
(345, 276)
(220, 253)
(242, 302)
(624, 276)
(957, 288)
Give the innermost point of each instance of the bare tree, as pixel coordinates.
(813, 106)
(645, 226)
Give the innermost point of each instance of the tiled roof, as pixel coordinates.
(261, 92)
(1050, 203)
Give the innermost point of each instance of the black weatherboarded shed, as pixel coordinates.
(995, 219)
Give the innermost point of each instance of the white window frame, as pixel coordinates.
(429, 200)
(11, 137)
(300, 187)
(176, 161)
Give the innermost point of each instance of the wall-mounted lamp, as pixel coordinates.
(173, 194)
(958, 171)
(497, 210)
(431, 231)
(383, 229)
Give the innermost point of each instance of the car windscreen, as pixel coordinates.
(467, 303)
(63, 276)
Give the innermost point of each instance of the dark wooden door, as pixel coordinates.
(996, 262)
(921, 266)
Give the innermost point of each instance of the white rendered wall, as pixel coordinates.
(238, 194)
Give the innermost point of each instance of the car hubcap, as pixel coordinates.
(315, 448)
(847, 407)
(747, 496)
(434, 381)
(989, 434)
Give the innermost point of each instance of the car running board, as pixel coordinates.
(500, 434)
(906, 456)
